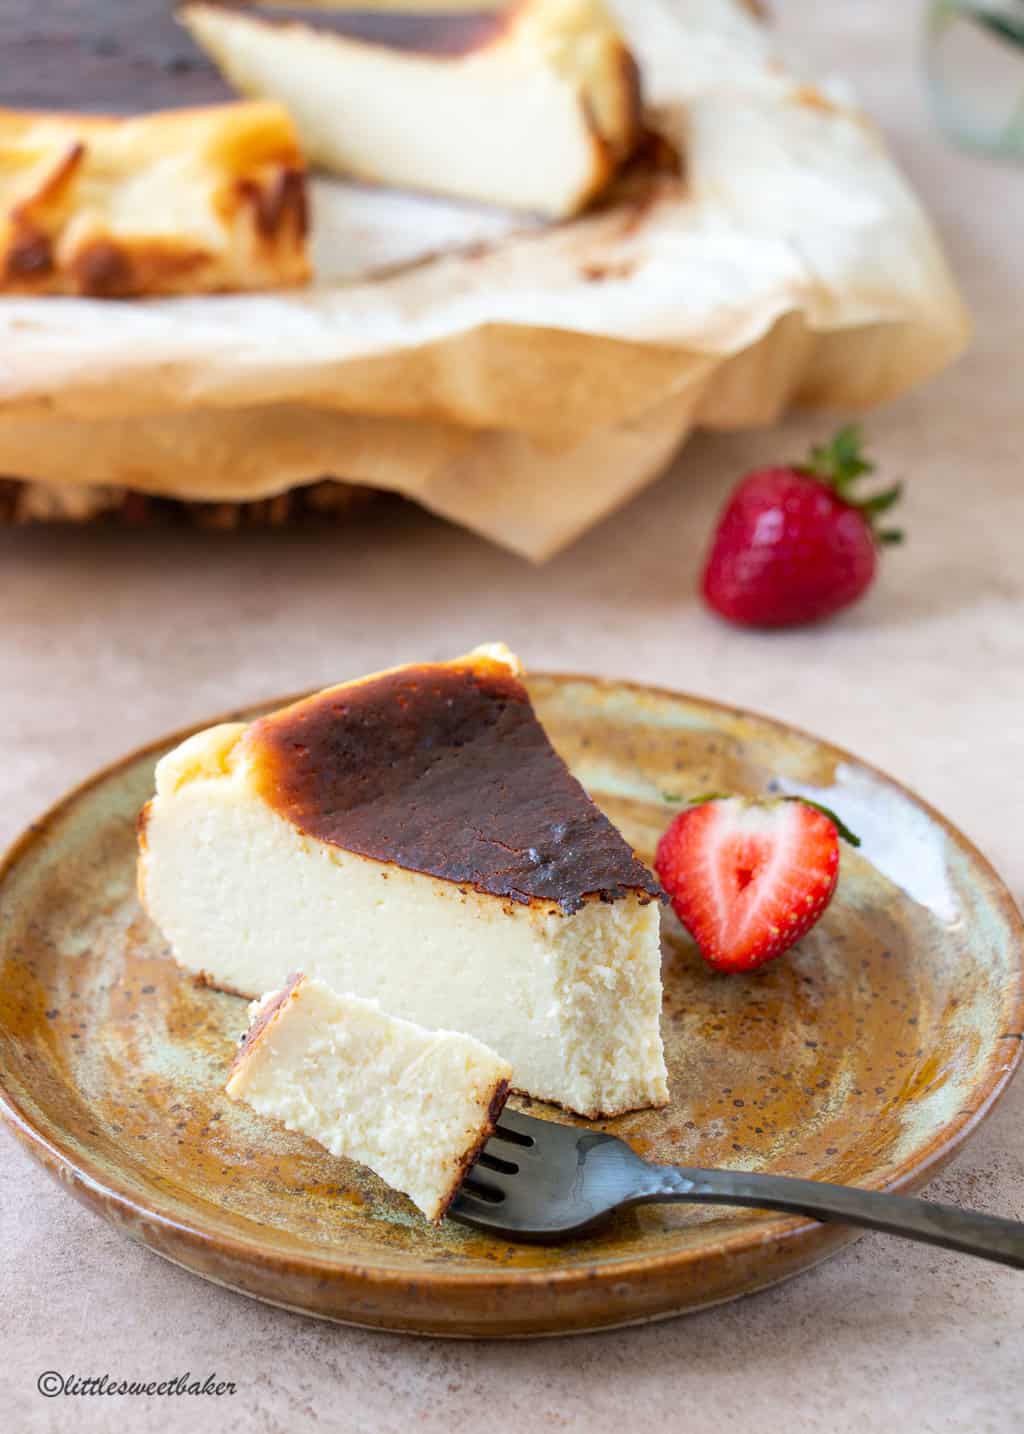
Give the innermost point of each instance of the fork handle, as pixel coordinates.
(969, 1231)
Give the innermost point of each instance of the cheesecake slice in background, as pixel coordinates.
(416, 1106)
(533, 107)
(182, 202)
(413, 837)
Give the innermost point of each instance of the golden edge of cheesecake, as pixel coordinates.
(211, 199)
(575, 40)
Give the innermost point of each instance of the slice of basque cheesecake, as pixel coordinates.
(137, 206)
(414, 838)
(532, 107)
(415, 1106)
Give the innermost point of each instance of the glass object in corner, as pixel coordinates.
(975, 70)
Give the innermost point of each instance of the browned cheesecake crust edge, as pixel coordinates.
(265, 1019)
(496, 1105)
(257, 195)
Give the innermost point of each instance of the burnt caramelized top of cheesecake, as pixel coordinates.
(445, 770)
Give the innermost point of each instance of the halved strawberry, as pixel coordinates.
(748, 878)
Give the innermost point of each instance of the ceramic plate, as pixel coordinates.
(865, 1056)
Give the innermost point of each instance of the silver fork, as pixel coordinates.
(536, 1180)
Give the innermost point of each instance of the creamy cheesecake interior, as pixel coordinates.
(415, 839)
(414, 1105)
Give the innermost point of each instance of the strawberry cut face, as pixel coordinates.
(747, 880)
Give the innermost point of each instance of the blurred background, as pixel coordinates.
(113, 632)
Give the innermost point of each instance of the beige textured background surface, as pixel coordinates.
(106, 639)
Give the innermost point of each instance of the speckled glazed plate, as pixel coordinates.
(865, 1056)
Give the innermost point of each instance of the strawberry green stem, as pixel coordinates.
(839, 465)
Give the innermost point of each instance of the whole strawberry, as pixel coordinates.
(748, 878)
(794, 544)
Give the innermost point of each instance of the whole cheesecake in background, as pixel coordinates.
(415, 1106)
(413, 837)
(534, 106)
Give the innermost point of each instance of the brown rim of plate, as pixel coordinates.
(909, 1174)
